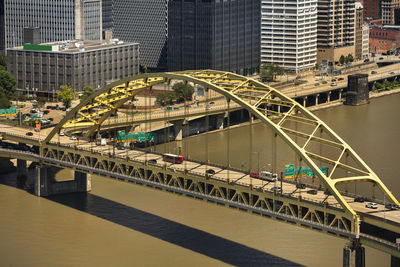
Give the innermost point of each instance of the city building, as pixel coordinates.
(365, 41)
(391, 12)
(107, 16)
(289, 34)
(335, 29)
(44, 68)
(221, 35)
(359, 21)
(58, 20)
(372, 8)
(144, 22)
(384, 38)
(2, 28)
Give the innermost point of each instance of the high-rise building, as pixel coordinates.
(2, 28)
(222, 35)
(335, 29)
(372, 8)
(107, 15)
(57, 20)
(391, 12)
(289, 34)
(144, 22)
(359, 30)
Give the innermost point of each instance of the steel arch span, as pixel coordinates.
(270, 106)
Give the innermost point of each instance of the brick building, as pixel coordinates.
(382, 39)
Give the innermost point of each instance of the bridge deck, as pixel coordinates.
(242, 178)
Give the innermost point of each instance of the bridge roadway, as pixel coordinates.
(311, 89)
(230, 176)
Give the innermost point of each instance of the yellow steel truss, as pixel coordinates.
(251, 95)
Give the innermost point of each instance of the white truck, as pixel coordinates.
(269, 176)
(101, 141)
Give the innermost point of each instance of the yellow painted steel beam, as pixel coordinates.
(223, 82)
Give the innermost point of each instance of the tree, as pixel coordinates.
(183, 91)
(7, 84)
(387, 85)
(87, 91)
(166, 97)
(378, 85)
(3, 61)
(268, 71)
(350, 58)
(4, 102)
(67, 95)
(342, 59)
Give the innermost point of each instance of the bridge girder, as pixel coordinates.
(257, 98)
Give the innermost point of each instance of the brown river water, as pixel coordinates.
(120, 224)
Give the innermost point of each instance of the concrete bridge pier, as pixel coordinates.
(178, 129)
(46, 181)
(394, 261)
(220, 121)
(22, 171)
(354, 255)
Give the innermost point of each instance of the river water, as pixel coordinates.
(120, 224)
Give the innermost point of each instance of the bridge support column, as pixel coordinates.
(329, 96)
(220, 121)
(304, 101)
(354, 255)
(46, 183)
(21, 168)
(178, 129)
(316, 99)
(394, 261)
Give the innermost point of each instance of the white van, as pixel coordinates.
(101, 141)
(269, 176)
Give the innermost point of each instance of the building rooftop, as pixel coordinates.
(73, 46)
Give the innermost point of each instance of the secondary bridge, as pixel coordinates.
(330, 208)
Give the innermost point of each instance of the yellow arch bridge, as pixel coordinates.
(329, 207)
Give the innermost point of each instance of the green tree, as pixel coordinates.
(342, 59)
(379, 86)
(4, 102)
(67, 95)
(3, 61)
(268, 71)
(387, 85)
(7, 84)
(350, 58)
(87, 91)
(183, 91)
(166, 98)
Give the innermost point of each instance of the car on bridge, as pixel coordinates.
(372, 205)
(333, 84)
(300, 186)
(312, 192)
(373, 72)
(210, 171)
(391, 206)
(391, 72)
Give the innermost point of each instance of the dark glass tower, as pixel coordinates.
(2, 27)
(107, 15)
(143, 22)
(214, 34)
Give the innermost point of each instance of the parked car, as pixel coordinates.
(373, 72)
(372, 205)
(391, 206)
(359, 199)
(312, 192)
(210, 171)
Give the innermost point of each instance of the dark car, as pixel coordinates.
(301, 186)
(373, 72)
(152, 161)
(29, 133)
(50, 119)
(210, 171)
(340, 79)
(380, 58)
(312, 192)
(366, 60)
(391, 206)
(121, 147)
(359, 199)
(324, 82)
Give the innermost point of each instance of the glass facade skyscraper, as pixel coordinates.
(221, 35)
(57, 20)
(144, 22)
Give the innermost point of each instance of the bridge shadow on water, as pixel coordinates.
(178, 234)
(210, 245)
